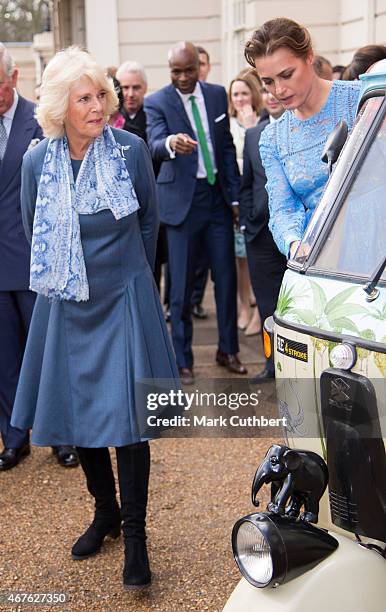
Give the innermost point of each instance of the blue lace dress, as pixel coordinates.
(291, 151)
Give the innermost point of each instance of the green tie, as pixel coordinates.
(203, 144)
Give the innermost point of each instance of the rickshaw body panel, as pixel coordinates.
(304, 335)
(352, 578)
(322, 305)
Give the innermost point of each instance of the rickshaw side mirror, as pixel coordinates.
(334, 144)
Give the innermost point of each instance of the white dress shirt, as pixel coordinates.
(9, 115)
(201, 172)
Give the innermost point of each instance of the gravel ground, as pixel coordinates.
(198, 488)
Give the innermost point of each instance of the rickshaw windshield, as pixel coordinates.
(357, 240)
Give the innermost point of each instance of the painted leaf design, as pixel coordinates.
(285, 300)
(346, 310)
(339, 299)
(368, 334)
(304, 316)
(320, 299)
(380, 359)
(379, 313)
(345, 323)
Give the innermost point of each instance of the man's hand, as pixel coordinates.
(183, 144)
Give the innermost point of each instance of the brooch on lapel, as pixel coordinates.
(123, 148)
(33, 143)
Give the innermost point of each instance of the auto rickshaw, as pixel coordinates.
(328, 338)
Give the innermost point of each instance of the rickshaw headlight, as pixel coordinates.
(254, 554)
(271, 550)
(343, 356)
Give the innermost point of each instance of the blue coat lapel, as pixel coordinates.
(23, 126)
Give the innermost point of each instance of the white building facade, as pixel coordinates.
(143, 30)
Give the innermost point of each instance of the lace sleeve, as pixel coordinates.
(286, 210)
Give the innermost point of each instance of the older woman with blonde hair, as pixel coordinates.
(89, 210)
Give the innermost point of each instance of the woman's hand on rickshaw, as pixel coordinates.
(293, 248)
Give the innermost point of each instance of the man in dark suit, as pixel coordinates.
(266, 264)
(132, 80)
(202, 271)
(18, 131)
(188, 131)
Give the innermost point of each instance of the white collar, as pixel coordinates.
(10, 113)
(197, 92)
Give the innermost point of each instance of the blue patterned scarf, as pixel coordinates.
(57, 264)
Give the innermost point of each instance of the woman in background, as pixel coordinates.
(362, 60)
(245, 105)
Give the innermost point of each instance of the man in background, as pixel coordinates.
(19, 130)
(323, 68)
(204, 61)
(188, 129)
(202, 271)
(132, 79)
(266, 264)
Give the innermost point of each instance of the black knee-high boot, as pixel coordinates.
(133, 475)
(96, 464)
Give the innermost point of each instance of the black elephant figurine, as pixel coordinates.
(298, 478)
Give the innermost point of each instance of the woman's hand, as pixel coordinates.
(293, 248)
(247, 116)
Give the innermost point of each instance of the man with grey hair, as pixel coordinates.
(17, 129)
(132, 79)
(133, 82)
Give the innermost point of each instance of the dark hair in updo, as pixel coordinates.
(362, 60)
(276, 34)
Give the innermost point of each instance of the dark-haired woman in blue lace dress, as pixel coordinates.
(291, 148)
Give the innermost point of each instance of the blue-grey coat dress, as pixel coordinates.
(77, 382)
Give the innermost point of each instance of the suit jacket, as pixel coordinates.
(14, 248)
(137, 125)
(254, 212)
(176, 180)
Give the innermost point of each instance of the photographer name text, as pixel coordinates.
(220, 421)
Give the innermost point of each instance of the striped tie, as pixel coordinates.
(3, 138)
